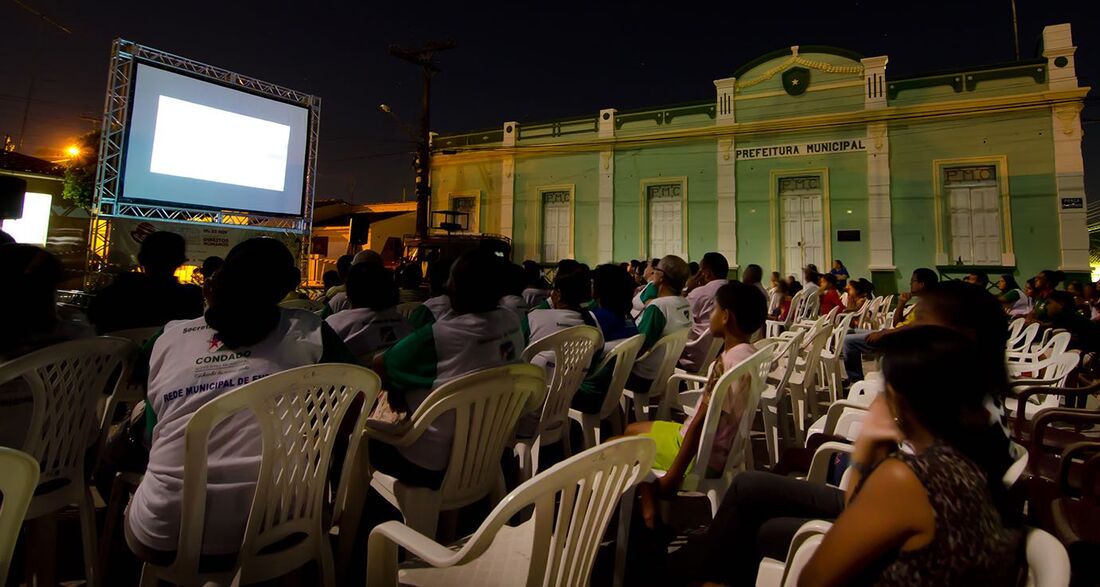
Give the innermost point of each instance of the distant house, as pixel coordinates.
(342, 228)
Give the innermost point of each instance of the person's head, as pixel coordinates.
(515, 279)
(671, 273)
(647, 272)
(30, 276)
(534, 275)
(371, 286)
(1007, 283)
(1074, 287)
(921, 280)
(367, 256)
(244, 295)
(330, 279)
(810, 273)
(1089, 291)
(1060, 301)
(1048, 279)
(753, 274)
(412, 276)
(783, 287)
(693, 267)
(838, 264)
(978, 278)
(162, 253)
(212, 264)
(739, 311)
(474, 285)
(343, 265)
(5, 238)
(613, 289)
(571, 290)
(567, 266)
(793, 286)
(439, 271)
(827, 281)
(714, 266)
(776, 278)
(860, 288)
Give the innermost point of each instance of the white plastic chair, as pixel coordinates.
(669, 348)
(859, 397)
(623, 356)
(714, 346)
(1018, 466)
(773, 573)
(803, 384)
(823, 457)
(1049, 372)
(832, 357)
(775, 327)
(1023, 340)
(67, 383)
(573, 350)
(406, 308)
(299, 413)
(573, 502)
(17, 483)
(773, 400)
(1047, 560)
(486, 406)
(811, 308)
(739, 458)
(1051, 346)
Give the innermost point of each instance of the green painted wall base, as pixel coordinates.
(886, 282)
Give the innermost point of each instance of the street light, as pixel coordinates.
(73, 150)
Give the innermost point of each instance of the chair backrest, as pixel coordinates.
(487, 405)
(298, 304)
(835, 345)
(671, 346)
(1022, 342)
(715, 347)
(831, 315)
(812, 346)
(1018, 466)
(299, 412)
(573, 503)
(785, 357)
(67, 382)
(1015, 328)
(811, 307)
(864, 392)
(573, 350)
(795, 311)
(623, 354)
(859, 316)
(406, 308)
(138, 336)
(801, 557)
(17, 483)
(1047, 560)
(756, 369)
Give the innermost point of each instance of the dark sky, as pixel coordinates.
(520, 61)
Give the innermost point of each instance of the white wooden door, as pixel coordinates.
(813, 249)
(665, 227)
(802, 232)
(555, 232)
(975, 219)
(792, 236)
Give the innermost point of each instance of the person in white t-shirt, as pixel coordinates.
(339, 301)
(570, 291)
(514, 282)
(739, 312)
(243, 336)
(372, 323)
(537, 290)
(669, 312)
(713, 270)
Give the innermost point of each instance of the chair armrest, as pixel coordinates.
(414, 542)
(1046, 417)
(1081, 450)
(819, 466)
(1026, 394)
(836, 410)
(402, 435)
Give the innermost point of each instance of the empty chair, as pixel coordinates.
(299, 413)
(1049, 372)
(623, 356)
(573, 350)
(573, 502)
(1023, 340)
(17, 483)
(486, 406)
(775, 327)
(67, 383)
(774, 398)
(1052, 345)
(1047, 560)
(803, 383)
(771, 572)
(669, 349)
(832, 357)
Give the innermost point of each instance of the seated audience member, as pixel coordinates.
(612, 289)
(779, 301)
(693, 268)
(950, 531)
(251, 337)
(812, 277)
(570, 291)
(478, 334)
(978, 278)
(713, 271)
(738, 313)
(30, 276)
(152, 298)
(339, 301)
(841, 273)
(1091, 300)
(330, 279)
(754, 274)
(1016, 302)
(211, 264)
(438, 306)
(411, 278)
(647, 291)
(1062, 313)
(537, 289)
(775, 279)
(1044, 283)
(669, 312)
(372, 322)
(343, 265)
(830, 298)
(514, 281)
(860, 292)
(762, 511)
(861, 342)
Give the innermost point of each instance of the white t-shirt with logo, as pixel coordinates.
(365, 331)
(188, 368)
(661, 317)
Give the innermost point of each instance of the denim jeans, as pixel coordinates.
(855, 345)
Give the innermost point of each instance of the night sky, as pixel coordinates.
(520, 61)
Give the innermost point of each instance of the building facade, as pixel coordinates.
(804, 155)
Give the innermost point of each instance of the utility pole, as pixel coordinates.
(1015, 31)
(423, 58)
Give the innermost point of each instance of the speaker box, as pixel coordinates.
(360, 229)
(12, 191)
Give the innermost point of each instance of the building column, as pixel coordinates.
(880, 236)
(508, 182)
(1069, 168)
(727, 173)
(606, 211)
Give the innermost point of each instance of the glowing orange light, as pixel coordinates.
(72, 150)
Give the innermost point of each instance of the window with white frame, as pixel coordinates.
(557, 214)
(666, 218)
(974, 214)
(467, 204)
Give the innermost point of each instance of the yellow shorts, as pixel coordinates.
(668, 439)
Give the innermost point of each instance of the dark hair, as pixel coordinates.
(653, 262)
(1031, 282)
(747, 304)
(574, 288)
(474, 285)
(1063, 298)
(717, 264)
(330, 279)
(613, 288)
(862, 286)
(693, 267)
(343, 264)
(438, 273)
(794, 286)
(568, 266)
(371, 286)
(162, 252)
(811, 274)
(515, 279)
(753, 273)
(973, 311)
(1053, 277)
(829, 278)
(782, 287)
(411, 276)
(983, 279)
(839, 262)
(1010, 282)
(30, 276)
(952, 408)
(1074, 285)
(926, 276)
(534, 275)
(212, 263)
(245, 293)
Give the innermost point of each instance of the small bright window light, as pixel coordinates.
(35, 223)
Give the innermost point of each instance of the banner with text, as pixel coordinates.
(802, 149)
(203, 240)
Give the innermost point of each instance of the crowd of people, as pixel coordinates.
(937, 444)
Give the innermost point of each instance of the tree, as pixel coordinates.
(79, 185)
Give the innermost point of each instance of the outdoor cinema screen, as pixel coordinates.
(198, 144)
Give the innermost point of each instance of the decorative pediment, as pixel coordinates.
(796, 60)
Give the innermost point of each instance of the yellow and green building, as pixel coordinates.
(804, 155)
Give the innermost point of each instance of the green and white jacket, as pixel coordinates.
(661, 317)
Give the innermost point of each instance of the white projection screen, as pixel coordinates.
(198, 144)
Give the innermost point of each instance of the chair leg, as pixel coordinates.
(566, 443)
(120, 495)
(524, 457)
(88, 538)
(148, 578)
(641, 405)
(326, 564)
(381, 562)
(771, 433)
(420, 508)
(626, 512)
(590, 430)
(359, 486)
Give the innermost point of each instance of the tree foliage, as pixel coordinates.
(79, 185)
